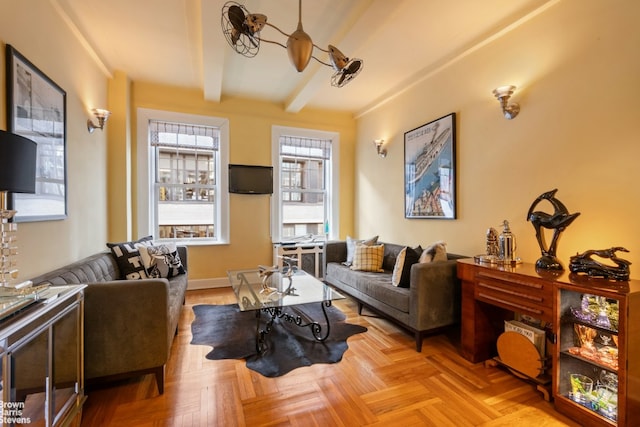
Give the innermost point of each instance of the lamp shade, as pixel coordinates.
(17, 163)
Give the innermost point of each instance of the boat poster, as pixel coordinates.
(429, 169)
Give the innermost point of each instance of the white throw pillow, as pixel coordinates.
(398, 267)
(351, 247)
(401, 275)
(435, 252)
(161, 259)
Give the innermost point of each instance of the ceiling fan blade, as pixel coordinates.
(237, 18)
(354, 67)
(348, 73)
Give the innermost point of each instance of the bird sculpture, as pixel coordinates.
(265, 273)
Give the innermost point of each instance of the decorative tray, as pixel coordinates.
(14, 299)
(10, 305)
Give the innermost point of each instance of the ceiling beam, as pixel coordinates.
(193, 24)
(213, 50)
(67, 15)
(349, 39)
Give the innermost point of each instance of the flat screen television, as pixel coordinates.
(250, 179)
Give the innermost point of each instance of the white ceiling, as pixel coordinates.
(180, 42)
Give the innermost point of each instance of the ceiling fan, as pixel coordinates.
(242, 30)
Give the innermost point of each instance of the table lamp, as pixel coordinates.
(17, 175)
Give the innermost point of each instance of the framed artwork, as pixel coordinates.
(36, 109)
(430, 170)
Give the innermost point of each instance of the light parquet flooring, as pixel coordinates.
(381, 381)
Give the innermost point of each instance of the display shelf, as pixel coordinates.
(594, 343)
(587, 360)
(574, 320)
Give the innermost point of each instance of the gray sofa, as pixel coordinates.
(129, 325)
(431, 302)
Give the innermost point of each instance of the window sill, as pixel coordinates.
(197, 242)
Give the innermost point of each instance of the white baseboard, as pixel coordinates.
(216, 282)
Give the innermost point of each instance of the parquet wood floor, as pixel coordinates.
(381, 381)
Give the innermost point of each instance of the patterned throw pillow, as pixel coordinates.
(368, 258)
(435, 252)
(128, 258)
(161, 260)
(402, 270)
(351, 247)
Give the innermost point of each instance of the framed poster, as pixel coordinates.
(430, 170)
(36, 109)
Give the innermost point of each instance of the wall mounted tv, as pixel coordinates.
(250, 179)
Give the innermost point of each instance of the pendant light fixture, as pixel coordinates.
(242, 30)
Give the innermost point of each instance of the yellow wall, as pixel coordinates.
(577, 69)
(250, 124)
(41, 36)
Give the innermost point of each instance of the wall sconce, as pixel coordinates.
(503, 93)
(102, 116)
(381, 151)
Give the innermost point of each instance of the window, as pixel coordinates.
(305, 166)
(183, 163)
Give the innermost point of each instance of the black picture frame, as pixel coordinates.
(37, 109)
(430, 170)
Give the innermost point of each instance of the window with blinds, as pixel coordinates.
(186, 162)
(304, 171)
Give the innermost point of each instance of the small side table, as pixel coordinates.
(41, 355)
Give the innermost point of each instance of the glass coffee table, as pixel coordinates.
(276, 293)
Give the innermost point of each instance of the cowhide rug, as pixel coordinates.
(232, 334)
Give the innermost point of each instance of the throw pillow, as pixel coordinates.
(161, 259)
(351, 247)
(128, 259)
(435, 252)
(397, 268)
(368, 258)
(402, 270)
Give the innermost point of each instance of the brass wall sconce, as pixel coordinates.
(101, 115)
(379, 149)
(503, 93)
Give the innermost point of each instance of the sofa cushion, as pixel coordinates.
(435, 252)
(128, 258)
(368, 258)
(161, 259)
(351, 247)
(96, 268)
(374, 285)
(401, 275)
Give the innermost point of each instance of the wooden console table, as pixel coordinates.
(492, 294)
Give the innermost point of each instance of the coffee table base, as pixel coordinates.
(278, 313)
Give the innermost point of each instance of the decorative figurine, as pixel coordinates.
(266, 273)
(492, 243)
(290, 269)
(583, 263)
(558, 221)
